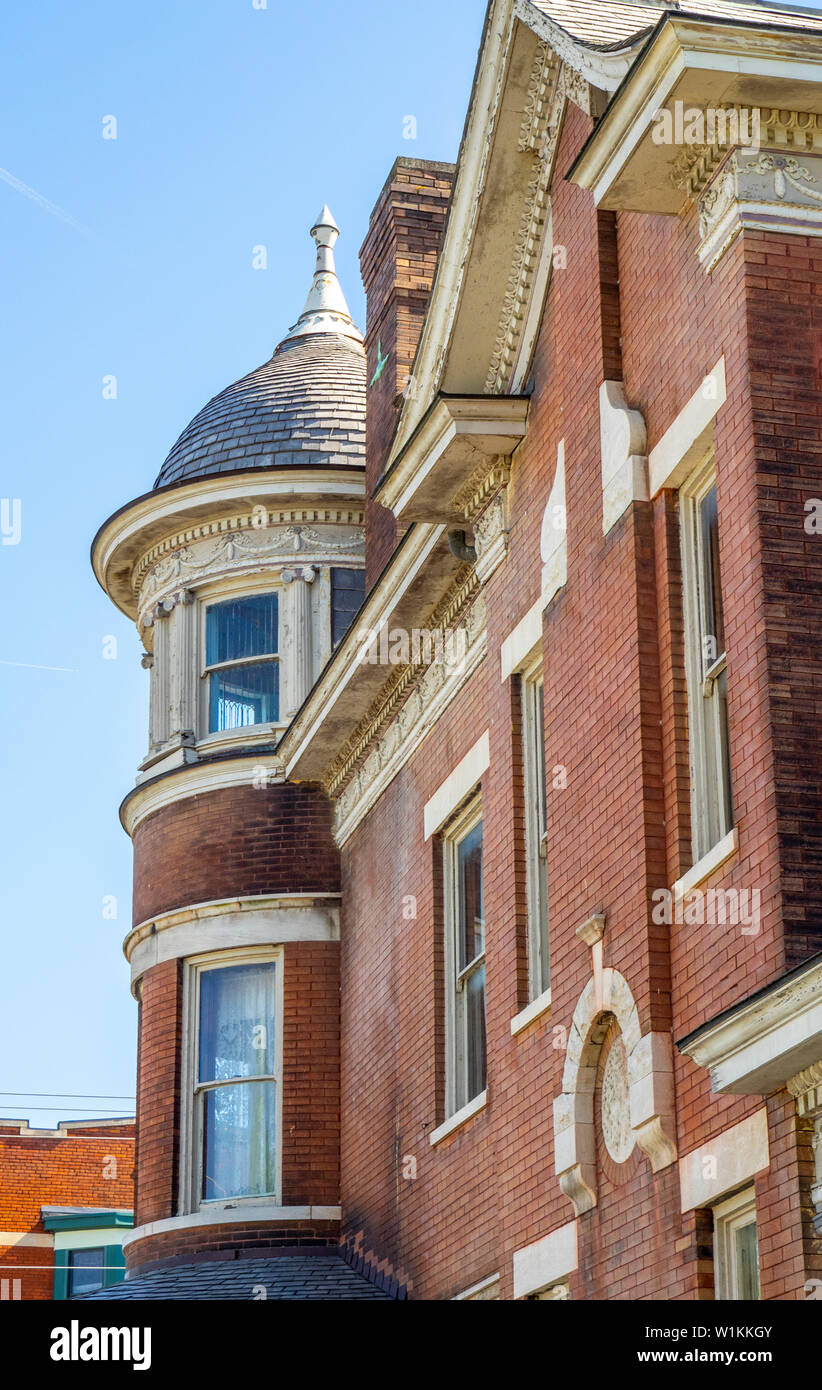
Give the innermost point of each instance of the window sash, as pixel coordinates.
(91, 1263)
(706, 667)
(736, 1254)
(533, 728)
(224, 711)
(197, 1091)
(248, 633)
(466, 1047)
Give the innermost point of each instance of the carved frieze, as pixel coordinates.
(211, 556)
(550, 88)
(389, 744)
(766, 189)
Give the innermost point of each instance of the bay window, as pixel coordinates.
(242, 663)
(234, 1081)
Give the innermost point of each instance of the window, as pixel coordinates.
(465, 959)
(85, 1271)
(736, 1248)
(712, 812)
(533, 728)
(347, 594)
(234, 1089)
(241, 666)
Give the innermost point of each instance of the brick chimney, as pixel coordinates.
(398, 259)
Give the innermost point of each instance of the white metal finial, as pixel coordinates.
(326, 310)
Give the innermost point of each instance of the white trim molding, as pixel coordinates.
(762, 1043)
(547, 1261)
(538, 1008)
(28, 1238)
(266, 920)
(553, 541)
(690, 436)
(725, 1162)
(441, 465)
(483, 1291)
(766, 190)
(723, 850)
(689, 60)
(255, 771)
(226, 1214)
(520, 648)
(459, 1118)
(210, 506)
(623, 446)
(457, 786)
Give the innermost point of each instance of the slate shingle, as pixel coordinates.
(304, 406)
(317, 1278)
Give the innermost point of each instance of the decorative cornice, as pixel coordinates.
(548, 92)
(779, 131)
(196, 779)
(230, 549)
(419, 713)
(603, 68)
(293, 529)
(151, 526)
(764, 1043)
(447, 613)
(456, 459)
(632, 161)
(481, 488)
(762, 189)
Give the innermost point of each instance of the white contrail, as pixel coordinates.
(31, 666)
(43, 202)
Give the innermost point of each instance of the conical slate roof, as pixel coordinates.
(305, 407)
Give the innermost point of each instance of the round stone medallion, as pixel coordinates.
(615, 1107)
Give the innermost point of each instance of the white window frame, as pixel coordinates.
(536, 834)
(243, 586)
(191, 1116)
(729, 1217)
(709, 758)
(456, 1020)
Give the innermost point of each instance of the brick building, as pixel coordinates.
(66, 1201)
(478, 933)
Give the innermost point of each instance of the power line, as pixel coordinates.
(64, 1095)
(72, 1110)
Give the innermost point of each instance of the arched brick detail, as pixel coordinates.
(650, 1074)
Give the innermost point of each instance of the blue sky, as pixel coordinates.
(132, 257)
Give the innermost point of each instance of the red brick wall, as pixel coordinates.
(67, 1170)
(398, 259)
(158, 1092)
(179, 1246)
(232, 843)
(616, 722)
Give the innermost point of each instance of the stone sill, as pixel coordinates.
(539, 1006)
(705, 866)
(459, 1118)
